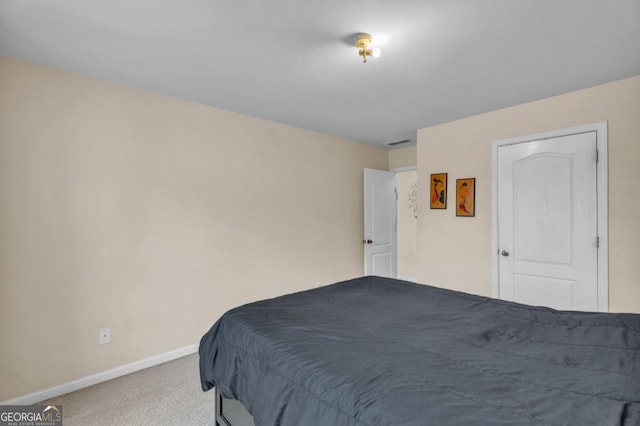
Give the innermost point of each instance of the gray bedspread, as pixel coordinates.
(377, 351)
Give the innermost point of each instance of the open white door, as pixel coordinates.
(379, 223)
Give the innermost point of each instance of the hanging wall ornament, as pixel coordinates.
(413, 199)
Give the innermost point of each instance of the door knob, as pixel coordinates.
(367, 241)
(505, 253)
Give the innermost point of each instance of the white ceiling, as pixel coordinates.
(292, 61)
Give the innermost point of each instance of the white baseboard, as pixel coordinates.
(406, 278)
(94, 379)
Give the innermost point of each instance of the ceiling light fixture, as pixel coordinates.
(362, 43)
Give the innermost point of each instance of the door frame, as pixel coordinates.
(397, 170)
(602, 203)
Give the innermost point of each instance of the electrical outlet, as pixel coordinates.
(318, 284)
(104, 335)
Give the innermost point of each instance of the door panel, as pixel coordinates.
(543, 291)
(547, 222)
(543, 229)
(379, 223)
(381, 264)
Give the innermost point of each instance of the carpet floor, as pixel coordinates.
(167, 394)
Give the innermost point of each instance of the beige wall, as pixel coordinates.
(407, 226)
(456, 252)
(152, 215)
(403, 157)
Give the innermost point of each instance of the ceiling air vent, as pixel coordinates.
(396, 143)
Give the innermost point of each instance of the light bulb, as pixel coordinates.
(375, 52)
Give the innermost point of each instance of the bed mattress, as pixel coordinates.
(379, 351)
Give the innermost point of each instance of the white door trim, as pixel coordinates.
(404, 169)
(397, 170)
(603, 202)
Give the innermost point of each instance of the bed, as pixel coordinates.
(380, 351)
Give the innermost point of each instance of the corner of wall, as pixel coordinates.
(403, 157)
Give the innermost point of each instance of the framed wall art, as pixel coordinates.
(466, 197)
(438, 191)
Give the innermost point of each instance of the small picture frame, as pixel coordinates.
(466, 197)
(438, 194)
